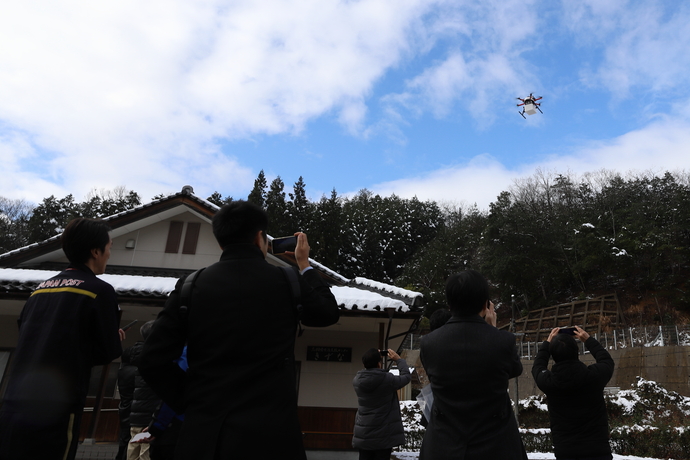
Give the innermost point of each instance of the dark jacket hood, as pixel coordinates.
(569, 373)
(369, 380)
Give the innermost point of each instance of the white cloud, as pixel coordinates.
(97, 95)
(483, 66)
(644, 43)
(136, 94)
(659, 147)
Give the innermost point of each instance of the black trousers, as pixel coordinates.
(35, 438)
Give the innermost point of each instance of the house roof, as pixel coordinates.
(21, 282)
(26, 267)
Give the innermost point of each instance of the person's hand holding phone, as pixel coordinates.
(553, 333)
(581, 334)
(302, 251)
(490, 313)
(393, 355)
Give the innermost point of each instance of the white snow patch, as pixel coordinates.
(352, 298)
(348, 297)
(387, 288)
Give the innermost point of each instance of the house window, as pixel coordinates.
(174, 237)
(191, 238)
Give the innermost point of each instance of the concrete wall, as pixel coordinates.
(668, 366)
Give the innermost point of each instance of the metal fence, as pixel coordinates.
(650, 336)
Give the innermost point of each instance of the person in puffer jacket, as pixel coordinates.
(144, 403)
(378, 424)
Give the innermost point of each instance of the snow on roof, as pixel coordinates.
(352, 298)
(349, 298)
(387, 288)
(123, 284)
(328, 271)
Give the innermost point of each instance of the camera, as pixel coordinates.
(383, 352)
(283, 244)
(567, 330)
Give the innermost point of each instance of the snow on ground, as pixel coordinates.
(531, 456)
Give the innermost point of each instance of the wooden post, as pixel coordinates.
(97, 406)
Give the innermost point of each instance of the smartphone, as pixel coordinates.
(383, 352)
(124, 328)
(284, 244)
(567, 330)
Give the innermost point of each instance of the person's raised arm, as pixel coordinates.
(302, 251)
(319, 307)
(604, 362)
(404, 376)
(490, 313)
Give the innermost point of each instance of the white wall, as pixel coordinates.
(149, 249)
(329, 384)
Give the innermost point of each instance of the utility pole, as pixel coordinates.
(512, 329)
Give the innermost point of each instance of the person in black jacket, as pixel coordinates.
(575, 395)
(239, 395)
(469, 362)
(378, 423)
(68, 325)
(125, 387)
(144, 401)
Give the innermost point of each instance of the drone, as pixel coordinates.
(530, 105)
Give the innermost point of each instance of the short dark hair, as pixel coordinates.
(467, 293)
(81, 236)
(145, 330)
(439, 318)
(371, 358)
(238, 222)
(563, 347)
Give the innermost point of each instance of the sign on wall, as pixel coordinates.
(337, 354)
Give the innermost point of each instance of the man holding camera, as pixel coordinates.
(575, 396)
(239, 394)
(469, 362)
(378, 424)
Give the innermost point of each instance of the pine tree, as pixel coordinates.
(300, 209)
(258, 193)
(276, 208)
(217, 199)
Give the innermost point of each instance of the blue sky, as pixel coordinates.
(409, 97)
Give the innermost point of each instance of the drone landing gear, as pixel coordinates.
(522, 114)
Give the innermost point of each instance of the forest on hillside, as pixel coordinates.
(549, 239)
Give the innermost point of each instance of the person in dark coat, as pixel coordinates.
(145, 401)
(378, 424)
(68, 325)
(125, 387)
(426, 398)
(469, 362)
(239, 394)
(575, 395)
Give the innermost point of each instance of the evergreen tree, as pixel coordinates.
(278, 219)
(217, 199)
(104, 203)
(51, 217)
(258, 193)
(326, 233)
(300, 209)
